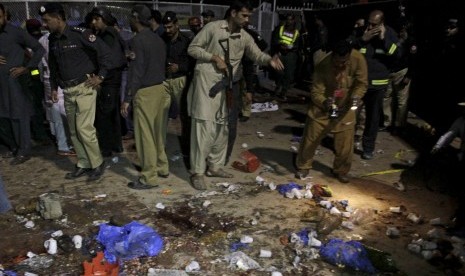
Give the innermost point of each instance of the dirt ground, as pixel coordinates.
(191, 230)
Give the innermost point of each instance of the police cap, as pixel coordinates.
(170, 17)
(52, 7)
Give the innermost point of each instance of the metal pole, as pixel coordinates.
(259, 27)
(27, 10)
(273, 14)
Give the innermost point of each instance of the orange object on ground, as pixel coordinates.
(100, 267)
(251, 165)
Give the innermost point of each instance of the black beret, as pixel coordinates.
(51, 8)
(103, 13)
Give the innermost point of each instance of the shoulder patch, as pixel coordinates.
(92, 38)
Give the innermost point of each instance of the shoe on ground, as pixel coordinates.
(343, 178)
(367, 155)
(137, 185)
(19, 159)
(96, 173)
(78, 172)
(198, 182)
(66, 152)
(303, 174)
(219, 173)
(163, 175)
(244, 119)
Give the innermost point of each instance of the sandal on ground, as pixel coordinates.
(66, 152)
(219, 173)
(137, 185)
(198, 182)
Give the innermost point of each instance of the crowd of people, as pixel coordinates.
(94, 80)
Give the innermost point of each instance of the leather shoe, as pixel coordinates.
(163, 175)
(19, 159)
(78, 172)
(343, 178)
(96, 173)
(137, 185)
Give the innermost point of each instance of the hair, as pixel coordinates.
(342, 48)
(237, 6)
(156, 15)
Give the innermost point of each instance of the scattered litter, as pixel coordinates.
(413, 218)
(435, 221)
(115, 159)
(382, 172)
(176, 156)
(77, 240)
(57, 233)
(294, 149)
(263, 107)
(193, 267)
(246, 239)
(100, 196)
(206, 203)
(265, 253)
(29, 224)
(244, 145)
(392, 232)
(240, 260)
(399, 186)
(51, 246)
(160, 206)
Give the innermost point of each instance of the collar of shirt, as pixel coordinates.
(225, 26)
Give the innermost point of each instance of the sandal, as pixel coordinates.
(219, 173)
(137, 185)
(198, 182)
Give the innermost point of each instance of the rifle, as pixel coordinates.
(229, 88)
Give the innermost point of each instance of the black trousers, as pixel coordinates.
(373, 101)
(17, 135)
(108, 119)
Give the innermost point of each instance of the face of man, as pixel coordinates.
(2, 19)
(97, 23)
(290, 21)
(171, 29)
(51, 23)
(241, 18)
(340, 62)
(194, 25)
(375, 21)
(207, 19)
(132, 23)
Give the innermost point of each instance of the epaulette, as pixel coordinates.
(78, 29)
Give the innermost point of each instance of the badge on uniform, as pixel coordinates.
(92, 38)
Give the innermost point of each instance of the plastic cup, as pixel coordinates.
(77, 239)
(265, 253)
(51, 246)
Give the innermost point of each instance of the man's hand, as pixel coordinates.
(276, 63)
(328, 103)
(220, 64)
(54, 96)
(18, 71)
(124, 109)
(370, 33)
(94, 82)
(172, 68)
(382, 31)
(2, 60)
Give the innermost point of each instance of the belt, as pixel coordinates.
(73, 82)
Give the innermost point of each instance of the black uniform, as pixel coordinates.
(15, 105)
(107, 117)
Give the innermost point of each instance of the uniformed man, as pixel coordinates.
(107, 117)
(150, 97)
(15, 105)
(177, 69)
(79, 62)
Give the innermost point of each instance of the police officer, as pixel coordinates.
(107, 117)
(150, 97)
(79, 62)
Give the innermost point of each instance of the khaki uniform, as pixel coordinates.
(353, 84)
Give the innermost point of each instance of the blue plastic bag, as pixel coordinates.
(284, 188)
(128, 242)
(351, 254)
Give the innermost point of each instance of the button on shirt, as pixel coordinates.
(77, 52)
